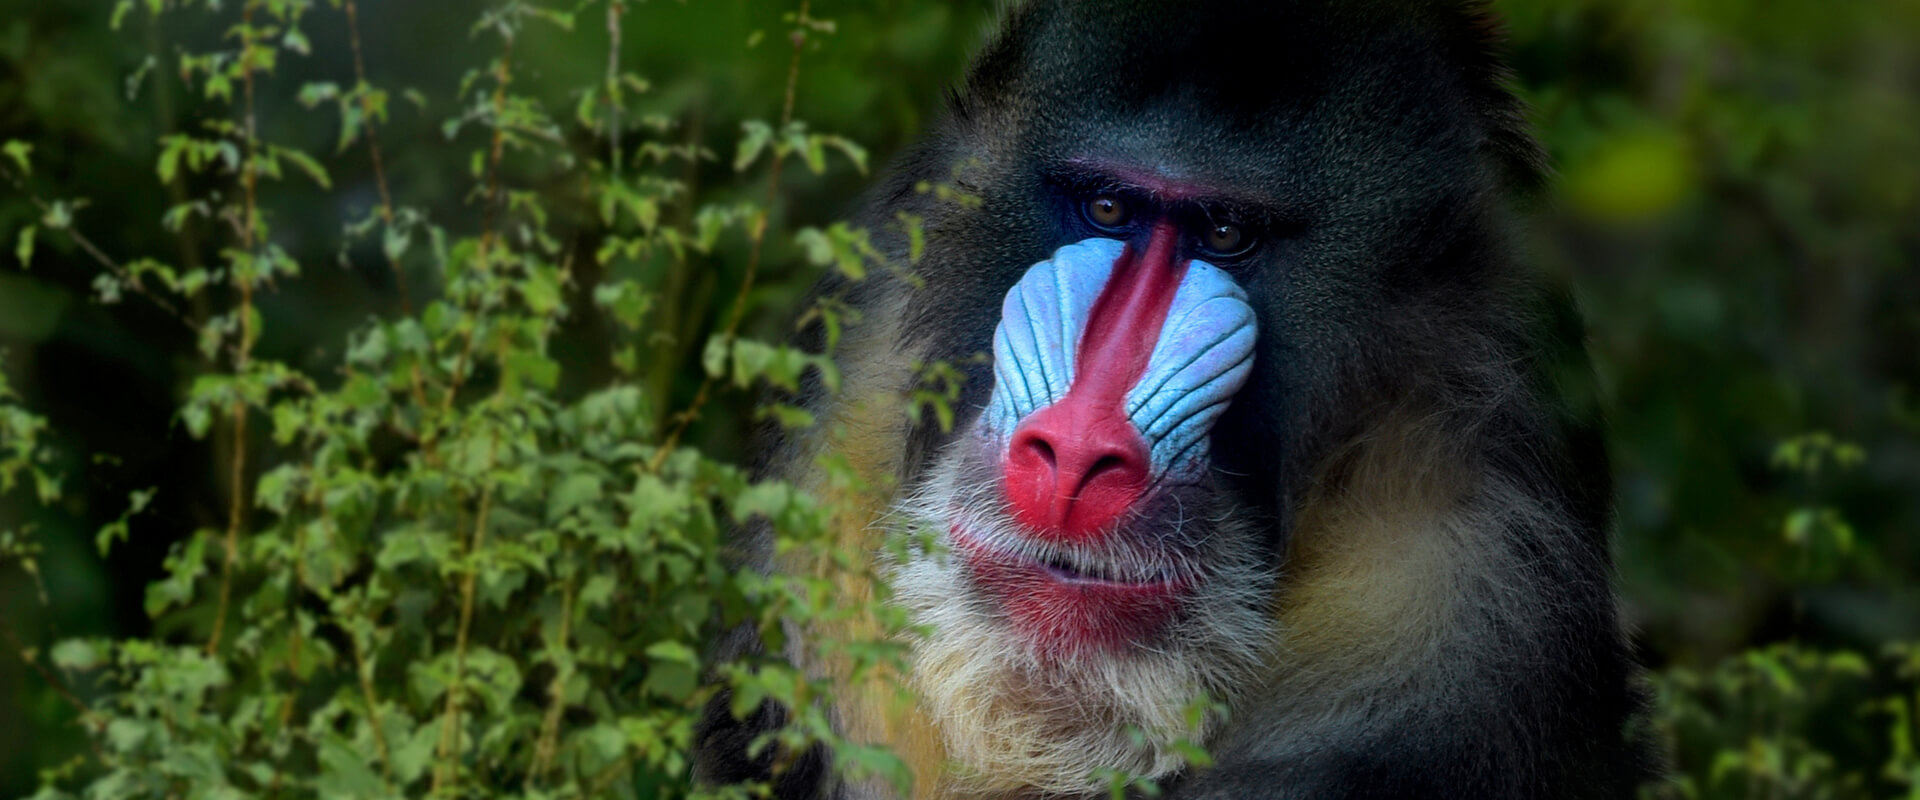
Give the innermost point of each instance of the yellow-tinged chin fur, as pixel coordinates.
(1019, 718)
(1012, 725)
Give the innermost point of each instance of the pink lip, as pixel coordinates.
(1065, 612)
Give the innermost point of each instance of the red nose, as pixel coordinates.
(1074, 468)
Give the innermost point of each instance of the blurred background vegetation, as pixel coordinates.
(1735, 211)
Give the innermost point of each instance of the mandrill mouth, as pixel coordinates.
(1065, 570)
(1067, 603)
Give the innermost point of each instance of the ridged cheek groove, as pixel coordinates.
(1202, 359)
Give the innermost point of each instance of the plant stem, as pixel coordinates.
(448, 768)
(93, 251)
(556, 704)
(243, 352)
(59, 688)
(372, 700)
(614, 8)
(380, 185)
(502, 75)
(758, 235)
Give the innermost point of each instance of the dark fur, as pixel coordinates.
(1380, 144)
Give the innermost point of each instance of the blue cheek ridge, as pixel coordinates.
(1201, 360)
(1039, 333)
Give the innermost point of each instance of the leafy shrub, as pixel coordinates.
(443, 570)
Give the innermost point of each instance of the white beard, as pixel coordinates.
(1015, 717)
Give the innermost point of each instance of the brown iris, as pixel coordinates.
(1225, 238)
(1107, 211)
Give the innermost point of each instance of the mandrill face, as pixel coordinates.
(1093, 578)
(1110, 367)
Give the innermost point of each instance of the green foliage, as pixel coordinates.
(1748, 726)
(1730, 209)
(451, 575)
(23, 453)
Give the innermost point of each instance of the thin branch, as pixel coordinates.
(543, 752)
(602, 781)
(614, 8)
(373, 146)
(758, 235)
(243, 352)
(93, 251)
(59, 686)
(448, 768)
(296, 641)
(380, 184)
(372, 700)
(502, 76)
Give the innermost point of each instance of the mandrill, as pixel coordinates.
(1271, 417)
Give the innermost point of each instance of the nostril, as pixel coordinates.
(1108, 467)
(1042, 450)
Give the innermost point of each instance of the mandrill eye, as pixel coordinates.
(1107, 211)
(1225, 239)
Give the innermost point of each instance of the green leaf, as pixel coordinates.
(714, 358)
(748, 694)
(18, 151)
(673, 670)
(750, 360)
(297, 42)
(541, 290)
(370, 351)
(788, 417)
(561, 19)
(598, 591)
(59, 214)
(915, 226)
(23, 246)
(815, 153)
(78, 655)
(345, 772)
(625, 300)
(851, 149)
(412, 757)
(126, 735)
(603, 743)
(218, 87)
(1798, 528)
(763, 499)
(573, 492)
(756, 135)
(533, 368)
(394, 243)
(313, 94)
(673, 651)
(307, 164)
(169, 161)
